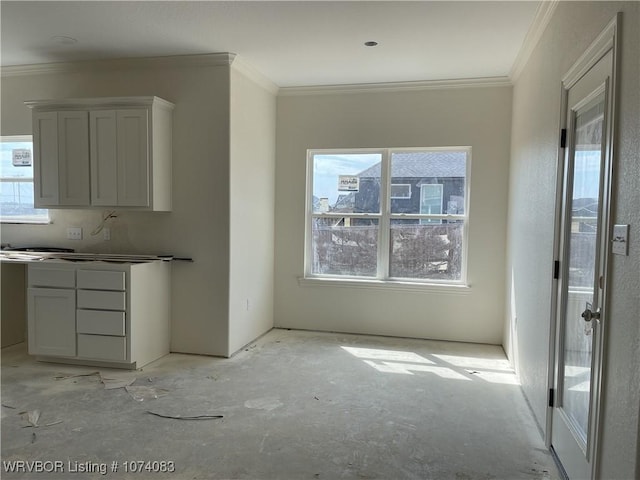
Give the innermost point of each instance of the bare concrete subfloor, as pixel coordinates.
(295, 405)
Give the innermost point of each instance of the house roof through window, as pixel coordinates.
(422, 164)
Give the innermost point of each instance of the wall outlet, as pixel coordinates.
(74, 233)
(106, 234)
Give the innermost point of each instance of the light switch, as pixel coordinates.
(620, 240)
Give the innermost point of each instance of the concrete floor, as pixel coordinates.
(295, 405)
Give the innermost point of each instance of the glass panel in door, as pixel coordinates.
(582, 256)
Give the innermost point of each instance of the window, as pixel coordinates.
(16, 182)
(401, 190)
(390, 214)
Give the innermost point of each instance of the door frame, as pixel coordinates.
(607, 40)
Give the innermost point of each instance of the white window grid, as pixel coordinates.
(16, 181)
(385, 216)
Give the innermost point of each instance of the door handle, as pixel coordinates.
(588, 315)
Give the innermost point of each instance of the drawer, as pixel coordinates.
(101, 280)
(102, 347)
(51, 277)
(99, 322)
(99, 300)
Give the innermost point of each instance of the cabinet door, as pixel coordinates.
(73, 165)
(133, 157)
(45, 154)
(51, 321)
(104, 164)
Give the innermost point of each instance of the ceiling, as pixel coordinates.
(293, 43)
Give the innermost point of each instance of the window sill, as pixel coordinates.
(440, 288)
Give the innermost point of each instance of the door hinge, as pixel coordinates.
(563, 138)
(551, 396)
(556, 269)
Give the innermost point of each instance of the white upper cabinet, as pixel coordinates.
(103, 152)
(73, 148)
(104, 159)
(45, 148)
(133, 158)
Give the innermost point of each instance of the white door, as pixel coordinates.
(45, 166)
(73, 165)
(104, 160)
(51, 321)
(581, 315)
(133, 158)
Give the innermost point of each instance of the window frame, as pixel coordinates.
(384, 222)
(394, 197)
(24, 220)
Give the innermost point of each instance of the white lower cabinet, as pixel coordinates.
(113, 314)
(96, 322)
(102, 347)
(51, 319)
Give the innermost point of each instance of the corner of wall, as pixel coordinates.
(252, 205)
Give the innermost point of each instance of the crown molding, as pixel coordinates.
(543, 15)
(397, 86)
(253, 74)
(84, 103)
(203, 60)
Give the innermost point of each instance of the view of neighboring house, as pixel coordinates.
(429, 183)
(421, 182)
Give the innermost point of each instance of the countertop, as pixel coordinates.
(10, 256)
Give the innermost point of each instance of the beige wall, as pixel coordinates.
(479, 117)
(252, 193)
(197, 227)
(535, 133)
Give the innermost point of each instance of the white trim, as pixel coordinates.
(384, 225)
(396, 86)
(252, 73)
(598, 48)
(16, 138)
(384, 217)
(16, 179)
(536, 29)
(99, 102)
(608, 39)
(392, 197)
(204, 60)
(408, 287)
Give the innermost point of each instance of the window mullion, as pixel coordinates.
(16, 179)
(385, 223)
(308, 249)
